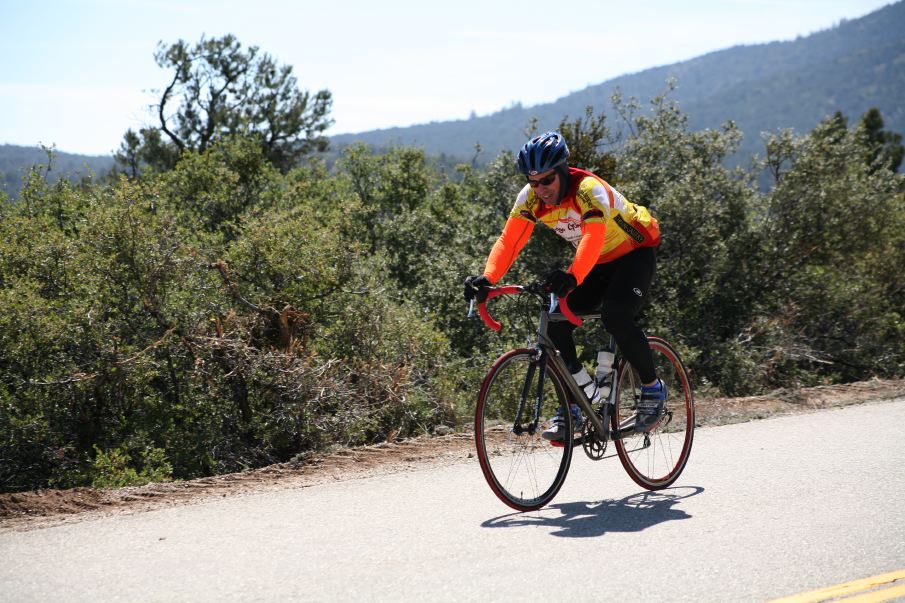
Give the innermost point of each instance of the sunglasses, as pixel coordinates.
(546, 181)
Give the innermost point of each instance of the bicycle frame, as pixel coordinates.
(521, 468)
(548, 353)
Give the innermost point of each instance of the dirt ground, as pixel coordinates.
(43, 508)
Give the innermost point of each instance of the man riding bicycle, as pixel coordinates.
(611, 272)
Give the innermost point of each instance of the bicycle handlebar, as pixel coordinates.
(567, 312)
(495, 325)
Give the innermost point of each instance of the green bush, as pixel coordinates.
(114, 469)
(224, 315)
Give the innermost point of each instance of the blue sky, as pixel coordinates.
(78, 73)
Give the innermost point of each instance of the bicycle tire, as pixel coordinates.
(654, 460)
(522, 469)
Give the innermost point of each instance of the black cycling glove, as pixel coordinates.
(560, 282)
(476, 287)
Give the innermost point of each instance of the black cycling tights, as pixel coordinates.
(618, 289)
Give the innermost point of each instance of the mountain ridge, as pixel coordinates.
(850, 67)
(16, 160)
(716, 87)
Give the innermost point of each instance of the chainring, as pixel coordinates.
(594, 446)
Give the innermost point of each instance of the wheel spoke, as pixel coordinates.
(523, 470)
(654, 460)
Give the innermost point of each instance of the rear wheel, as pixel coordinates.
(654, 460)
(523, 470)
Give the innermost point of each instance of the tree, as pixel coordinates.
(146, 147)
(830, 306)
(220, 90)
(886, 150)
(586, 137)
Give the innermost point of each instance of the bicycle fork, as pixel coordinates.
(531, 428)
(539, 366)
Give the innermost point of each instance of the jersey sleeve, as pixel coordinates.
(593, 236)
(594, 206)
(515, 234)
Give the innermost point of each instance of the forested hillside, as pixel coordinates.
(849, 68)
(15, 161)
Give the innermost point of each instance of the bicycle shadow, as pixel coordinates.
(591, 519)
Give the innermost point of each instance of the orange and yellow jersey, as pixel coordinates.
(601, 223)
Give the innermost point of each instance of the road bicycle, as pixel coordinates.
(525, 387)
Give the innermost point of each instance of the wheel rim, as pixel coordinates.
(656, 459)
(524, 470)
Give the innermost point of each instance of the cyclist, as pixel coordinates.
(612, 270)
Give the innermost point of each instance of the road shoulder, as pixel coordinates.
(45, 508)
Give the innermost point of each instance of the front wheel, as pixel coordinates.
(654, 460)
(523, 470)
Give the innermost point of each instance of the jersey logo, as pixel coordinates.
(629, 229)
(568, 226)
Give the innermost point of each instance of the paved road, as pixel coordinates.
(763, 510)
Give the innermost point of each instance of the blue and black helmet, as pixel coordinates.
(543, 153)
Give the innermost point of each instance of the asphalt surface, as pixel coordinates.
(763, 510)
